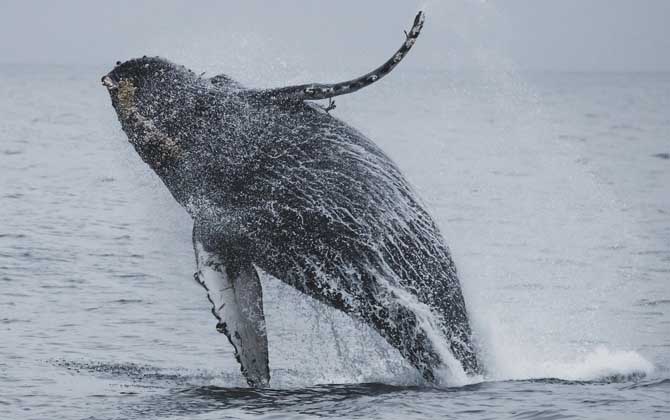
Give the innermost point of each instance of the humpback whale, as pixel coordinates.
(274, 182)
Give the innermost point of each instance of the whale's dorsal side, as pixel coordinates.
(315, 91)
(234, 290)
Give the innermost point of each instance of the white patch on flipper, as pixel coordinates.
(238, 305)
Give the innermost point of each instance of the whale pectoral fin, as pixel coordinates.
(234, 289)
(315, 91)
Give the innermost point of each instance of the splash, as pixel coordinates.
(508, 358)
(600, 364)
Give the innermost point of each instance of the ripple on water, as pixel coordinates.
(652, 383)
(12, 152)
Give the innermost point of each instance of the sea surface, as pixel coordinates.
(552, 190)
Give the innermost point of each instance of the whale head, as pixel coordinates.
(150, 95)
(148, 85)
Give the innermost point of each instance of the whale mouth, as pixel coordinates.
(109, 83)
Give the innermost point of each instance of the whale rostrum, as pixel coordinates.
(274, 183)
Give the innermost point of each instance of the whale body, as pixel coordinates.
(276, 183)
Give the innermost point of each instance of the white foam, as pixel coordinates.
(598, 364)
(508, 356)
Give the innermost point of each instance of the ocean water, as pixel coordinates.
(552, 190)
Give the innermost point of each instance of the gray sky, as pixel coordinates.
(294, 38)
